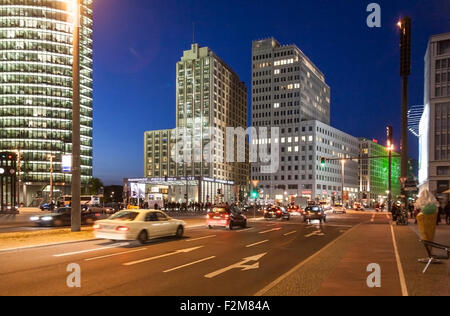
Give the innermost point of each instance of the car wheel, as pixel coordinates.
(210, 227)
(180, 232)
(244, 225)
(143, 237)
(231, 226)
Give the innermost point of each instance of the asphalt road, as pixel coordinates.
(206, 262)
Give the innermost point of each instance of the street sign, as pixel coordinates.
(66, 162)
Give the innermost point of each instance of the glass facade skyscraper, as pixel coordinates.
(36, 88)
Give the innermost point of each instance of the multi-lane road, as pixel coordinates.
(206, 262)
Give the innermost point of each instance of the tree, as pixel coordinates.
(95, 185)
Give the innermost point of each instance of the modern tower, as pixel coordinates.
(434, 131)
(36, 90)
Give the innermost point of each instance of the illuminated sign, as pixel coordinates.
(66, 162)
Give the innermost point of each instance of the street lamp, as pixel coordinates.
(390, 149)
(76, 133)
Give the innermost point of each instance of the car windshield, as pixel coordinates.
(313, 209)
(124, 216)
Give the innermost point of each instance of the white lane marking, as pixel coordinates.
(270, 230)
(92, 250)
(189, 264)
(201, 238)
(290, 233)
(373, 218)
(240, 265)
(399, 265)
(301, 264)
(162, 256)
(115, 254)
(244, 230)
(257, 243)
(316, 233)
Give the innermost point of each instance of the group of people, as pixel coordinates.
(180, 207)
(444, 212)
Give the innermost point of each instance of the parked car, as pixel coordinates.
(339, 209)
(141, 225)
(277, 213)
(62, 217)
(314, 213)
(226, 216)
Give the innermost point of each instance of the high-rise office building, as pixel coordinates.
(290, 92)
(210, 98)
(434, 131)
(36, 89)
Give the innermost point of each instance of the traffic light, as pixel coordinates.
(255, 194)
(323, 161)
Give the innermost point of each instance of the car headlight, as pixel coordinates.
(34, 219)
(47, 218)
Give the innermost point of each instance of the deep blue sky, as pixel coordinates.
(138, 42)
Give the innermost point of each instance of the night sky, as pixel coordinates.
(138, 42)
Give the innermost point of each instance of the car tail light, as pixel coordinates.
(227, 216)
(122, 229)
(98, 215)
(97, 226)
(278, 212)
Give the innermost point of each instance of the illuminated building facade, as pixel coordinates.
(36, 89)
(434, 131)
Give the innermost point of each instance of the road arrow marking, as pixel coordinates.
(270, 230)
(162, 256)
(316, 233)
(240, 265)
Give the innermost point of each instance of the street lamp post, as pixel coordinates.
(76, 137)
(342, 180)
(51, 157)
(390, 148)
(405, 70)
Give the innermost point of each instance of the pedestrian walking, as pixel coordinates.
(447, 213)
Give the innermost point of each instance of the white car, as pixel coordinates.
(141, 225)
(339, 209)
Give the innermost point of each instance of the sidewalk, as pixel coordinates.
(340, 269)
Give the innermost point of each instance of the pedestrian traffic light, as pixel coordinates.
(323, 161)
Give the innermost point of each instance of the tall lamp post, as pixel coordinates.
(390, 149)
(405, 70)
(51, 157)
(76, 138)
(342, 181)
